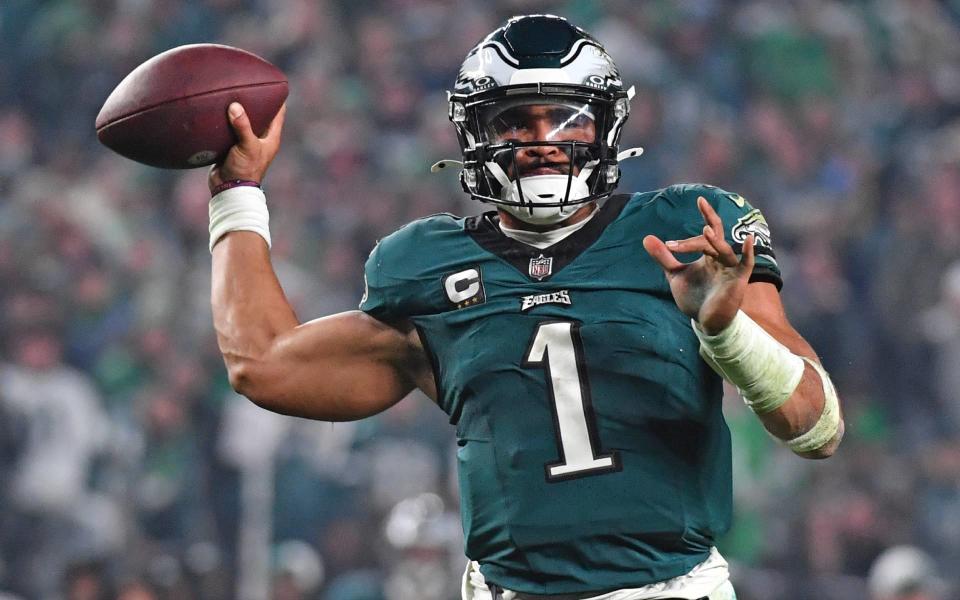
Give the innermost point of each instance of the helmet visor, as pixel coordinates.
(539, 119)
(539, 135)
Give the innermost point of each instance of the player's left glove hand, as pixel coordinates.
(711, 288)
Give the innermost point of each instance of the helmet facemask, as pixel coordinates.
(539, 155)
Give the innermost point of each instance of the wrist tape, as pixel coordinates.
(828, 424)
(767, 374)
(744, 354)
(242, 208)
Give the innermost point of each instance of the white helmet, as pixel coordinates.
(541, 67)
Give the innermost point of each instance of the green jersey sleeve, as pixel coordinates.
(403, 275)
(739, 220)
(379, 300)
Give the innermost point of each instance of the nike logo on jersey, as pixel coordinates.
(561, 297)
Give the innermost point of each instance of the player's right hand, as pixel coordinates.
(251, 156)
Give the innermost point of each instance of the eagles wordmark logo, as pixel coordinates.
(752, 222)
(560, 297)
(541, 267)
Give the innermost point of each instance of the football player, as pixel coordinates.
(585, 386)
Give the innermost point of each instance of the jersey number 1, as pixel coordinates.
(558, 349)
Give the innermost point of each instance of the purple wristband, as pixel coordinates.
(226, 185)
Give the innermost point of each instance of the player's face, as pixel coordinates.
(542, 122)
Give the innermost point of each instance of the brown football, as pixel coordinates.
(171, 111)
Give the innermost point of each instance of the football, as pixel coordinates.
(171, 111)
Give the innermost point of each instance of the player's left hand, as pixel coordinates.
(711, 288)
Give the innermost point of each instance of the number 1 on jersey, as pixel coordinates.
(558, 349)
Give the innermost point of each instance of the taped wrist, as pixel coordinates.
(242, 208)
(763, 369)
(827, 425)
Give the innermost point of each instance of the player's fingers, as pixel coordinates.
(723, 252)
(275, 128)
(241, 125)
(693, 244)
(713, 232)
(749, 255)
(660, 253)
(710, 216)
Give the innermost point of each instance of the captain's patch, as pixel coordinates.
(465, 288)
(752, 222)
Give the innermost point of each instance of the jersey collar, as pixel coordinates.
(485, 230)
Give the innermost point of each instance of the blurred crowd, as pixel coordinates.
(129, 469)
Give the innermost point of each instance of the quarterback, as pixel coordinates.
(577, 338)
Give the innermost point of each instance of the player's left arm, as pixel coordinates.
(802, 410)
(746, 338)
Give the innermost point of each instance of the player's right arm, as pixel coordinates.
(342, 367)
(338, 368)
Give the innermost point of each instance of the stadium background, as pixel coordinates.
(127, 467)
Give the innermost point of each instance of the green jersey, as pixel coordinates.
(592, 451)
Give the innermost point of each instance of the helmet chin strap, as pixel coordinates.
(629, 153)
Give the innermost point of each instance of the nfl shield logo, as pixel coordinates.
(541, 267)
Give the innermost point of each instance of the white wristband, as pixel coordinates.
(744, 354)
(241, 208)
